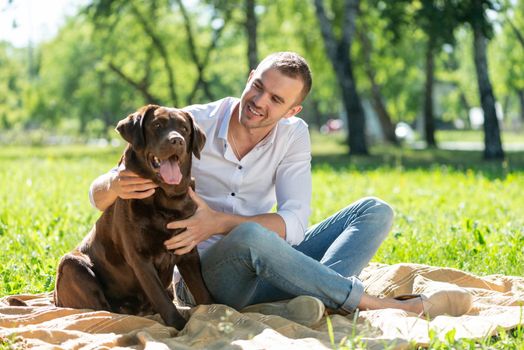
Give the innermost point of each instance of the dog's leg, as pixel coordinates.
(77, 286)
(191, 271)
(158, 296)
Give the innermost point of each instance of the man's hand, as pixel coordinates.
(199, 227)
(128, 185)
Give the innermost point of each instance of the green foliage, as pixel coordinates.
(106, 61)
(14, 86)
(397, 58)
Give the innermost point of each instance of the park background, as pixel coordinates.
(420, 103)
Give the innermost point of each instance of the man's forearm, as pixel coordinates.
(103, 197)
(271, 221)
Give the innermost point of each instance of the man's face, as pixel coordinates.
(268, 97)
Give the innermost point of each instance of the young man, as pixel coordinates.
(258, 153)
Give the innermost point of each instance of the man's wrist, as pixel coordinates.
(225, 222)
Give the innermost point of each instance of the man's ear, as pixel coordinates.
(293, 111)
(198, 137)
(131, 128)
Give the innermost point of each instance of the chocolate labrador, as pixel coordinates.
(122, 265)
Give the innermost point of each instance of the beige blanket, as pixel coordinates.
(497, 305)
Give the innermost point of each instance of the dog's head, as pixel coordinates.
(161, 143)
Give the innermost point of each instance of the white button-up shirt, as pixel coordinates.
(276, 171)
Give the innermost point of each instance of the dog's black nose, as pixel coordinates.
(176, 139)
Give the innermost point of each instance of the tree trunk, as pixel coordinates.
(251, 30)
(492, 142)
(355, 112)
(429, 118)
(338, 52)
(465, 104)
(521, 101)
(376, 97)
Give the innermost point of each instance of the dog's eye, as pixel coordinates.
(157, 125)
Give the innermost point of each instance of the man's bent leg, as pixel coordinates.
(252, 264)
(348, 240)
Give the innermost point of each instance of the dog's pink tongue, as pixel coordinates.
(170, 172)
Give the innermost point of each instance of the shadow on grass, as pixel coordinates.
(409, 159)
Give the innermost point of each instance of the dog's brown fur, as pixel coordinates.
(122, 265)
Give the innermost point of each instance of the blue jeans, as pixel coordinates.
(252, 265)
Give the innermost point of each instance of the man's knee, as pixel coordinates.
(380, 209)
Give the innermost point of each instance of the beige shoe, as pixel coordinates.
(452, 302)
(305, 310)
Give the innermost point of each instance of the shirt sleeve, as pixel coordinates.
(293, 186)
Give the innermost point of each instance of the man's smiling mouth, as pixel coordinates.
(253, 111)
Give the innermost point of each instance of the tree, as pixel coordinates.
(510, 71)
(201, 64)
(377, 100)
(13, 85)
(473, 12)
(160, 38)
(437, 20)
(339, 53)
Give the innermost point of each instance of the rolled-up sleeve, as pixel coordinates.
(92, 188)
(293, 186)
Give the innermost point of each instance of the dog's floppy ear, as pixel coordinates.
(131, 127)
(198, 137)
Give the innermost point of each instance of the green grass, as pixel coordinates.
(452, 208)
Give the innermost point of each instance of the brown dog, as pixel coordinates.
(122, 265)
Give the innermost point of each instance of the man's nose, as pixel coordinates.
(261, 99)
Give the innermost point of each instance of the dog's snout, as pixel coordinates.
(176, 139)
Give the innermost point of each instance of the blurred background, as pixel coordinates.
(407, 73)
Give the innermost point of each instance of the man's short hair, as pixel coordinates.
(291, 65)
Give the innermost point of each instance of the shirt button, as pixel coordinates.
(240, 167)
(233, 194)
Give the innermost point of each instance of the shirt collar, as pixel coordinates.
(224, 123)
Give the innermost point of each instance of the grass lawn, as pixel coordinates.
(452, 208)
